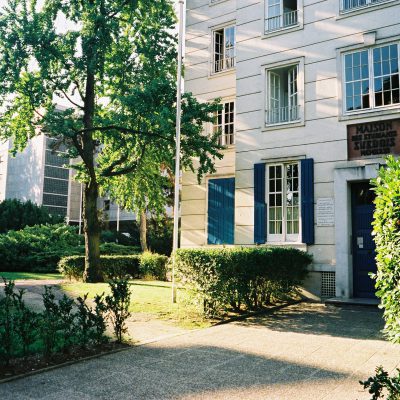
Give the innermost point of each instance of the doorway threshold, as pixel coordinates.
(357, 301)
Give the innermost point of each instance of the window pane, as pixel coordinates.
(386, 75)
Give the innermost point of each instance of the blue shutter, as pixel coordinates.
(307, 200)
(259, 203)
(221, 211)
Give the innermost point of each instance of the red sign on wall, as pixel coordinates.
(373, 139)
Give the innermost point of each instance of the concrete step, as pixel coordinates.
(343, 301)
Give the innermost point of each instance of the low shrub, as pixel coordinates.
(118, 266)
(153, 266)
(117, 304)
(118, 249)
(115, 266)
(38, 248)
(62, 325)
(241, 277)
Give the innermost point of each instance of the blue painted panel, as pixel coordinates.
(307, 200)
(221, 211)
(259, 203)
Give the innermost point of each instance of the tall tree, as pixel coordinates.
(95, 55)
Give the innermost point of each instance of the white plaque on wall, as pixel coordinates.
(325, 212)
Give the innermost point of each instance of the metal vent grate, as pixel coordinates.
(328, 284)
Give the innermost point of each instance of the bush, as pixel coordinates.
(62, 325)
(118, 266)
(118, 249)
(381, 383)
(387, 239)
(114, 266)
(233, 278)
(16, 215)
(38, 248)
(153, 266)
(118, 306)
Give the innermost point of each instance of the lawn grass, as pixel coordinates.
(148, 297)
(29, 275)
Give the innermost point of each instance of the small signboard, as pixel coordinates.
(325, 211)
(373, 139)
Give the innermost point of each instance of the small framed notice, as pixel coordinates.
(325, 212)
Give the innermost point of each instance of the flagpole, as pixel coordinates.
(178, 148)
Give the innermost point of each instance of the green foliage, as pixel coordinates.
(118, 306)
(7, 322)
(249, 277)
(113, 65)
(380, 383)
(387, 239)
(118, 249)
(114, 266)
(38, 248)
(153, 266)
(16, 215)
(62, 325)
(118, 266)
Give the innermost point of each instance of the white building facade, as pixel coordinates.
(310, 93)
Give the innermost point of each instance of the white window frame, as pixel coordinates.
(371, 78)
(291, 95)
(280, 18)
(369, 4)
(214, 32)
(222, 134)
(284, 237)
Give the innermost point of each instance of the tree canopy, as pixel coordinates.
(112, 64)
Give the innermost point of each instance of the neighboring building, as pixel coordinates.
(37, 174)
(311, 104)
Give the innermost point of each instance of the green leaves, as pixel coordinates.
(387, 239)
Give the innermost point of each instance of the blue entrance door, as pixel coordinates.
(363, 245)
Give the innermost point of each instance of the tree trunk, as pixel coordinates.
(143, 230)
(92, 234)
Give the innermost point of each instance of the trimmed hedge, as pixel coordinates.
(118, 266)
(241, 277)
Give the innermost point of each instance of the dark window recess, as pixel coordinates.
(54, 172)
(54, 159)
(56, 186)
(55, 200)
(56, 210)
(106, 206)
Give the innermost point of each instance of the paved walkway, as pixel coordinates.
(305, 352)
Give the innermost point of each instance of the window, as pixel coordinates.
(283, 202)
(282, 95)
(371, 78)
(224, 49)
(348, 5)
(281, 14)
(106, 205)
(224, 123)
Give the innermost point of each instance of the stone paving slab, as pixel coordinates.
(305, 351)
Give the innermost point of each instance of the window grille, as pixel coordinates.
(328, 284)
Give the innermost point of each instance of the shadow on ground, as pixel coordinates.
(168, 373)
(310, 318)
